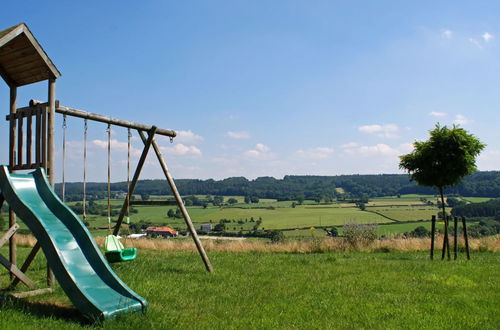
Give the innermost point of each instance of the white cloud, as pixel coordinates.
(349, 145)
(487, 36)
(182, 150)
(116, 146)
(262, 147)
(437, 114)
(187, 137)
(387, 131)
(447, 34)
(314, 153)
(261, 151)
(238, 135)
(406, 147)
(378, 149)
(461, 120)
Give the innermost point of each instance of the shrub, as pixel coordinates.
(357, 234)
(276, 236)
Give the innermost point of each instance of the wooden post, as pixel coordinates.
(50, 150)
(455, 238)
(433, 231)
(12, 163)
(145, 151)
(466, 237)
(180, 204)
(446, 242)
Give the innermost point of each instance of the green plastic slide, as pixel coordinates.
(78, 264)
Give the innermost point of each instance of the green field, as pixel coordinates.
(286, 291)
(281, 215)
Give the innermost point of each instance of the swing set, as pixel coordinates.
(31, 147)
(113, 248)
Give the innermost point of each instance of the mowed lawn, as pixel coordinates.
(289, 291)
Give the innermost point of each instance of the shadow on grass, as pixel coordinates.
(44, 310)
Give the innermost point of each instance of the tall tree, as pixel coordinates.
(442, 161)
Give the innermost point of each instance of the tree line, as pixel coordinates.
(296, 187)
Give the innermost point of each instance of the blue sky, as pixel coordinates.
(268, 88)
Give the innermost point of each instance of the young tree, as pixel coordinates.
(443, 160)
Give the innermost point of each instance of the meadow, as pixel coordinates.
(395, 214)
(287, 291)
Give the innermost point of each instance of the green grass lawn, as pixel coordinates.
(312, 291)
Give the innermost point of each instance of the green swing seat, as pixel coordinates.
(115, 252)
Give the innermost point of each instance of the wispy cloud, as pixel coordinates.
(261, 151)
(314, 153)
(437, 114)
(461, 120)
(349, 145)
(182, 150)
(238, 135)
(188, 137)
(387, 131)
(475, 43)
(446, 34)
(378, 149)
(116, 146)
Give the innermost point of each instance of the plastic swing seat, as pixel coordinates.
(115, 252)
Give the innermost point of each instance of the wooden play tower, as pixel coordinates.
(31, 138)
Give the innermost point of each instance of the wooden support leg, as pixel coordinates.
(12, 268)
(180, 204)
(142, 160)
(26, 264)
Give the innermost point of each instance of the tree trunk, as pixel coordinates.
(446, 243)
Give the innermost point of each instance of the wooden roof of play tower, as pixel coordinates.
(22, 60)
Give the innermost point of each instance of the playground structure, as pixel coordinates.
(92, 286)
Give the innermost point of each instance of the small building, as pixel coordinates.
(206, 227)
(161, 231)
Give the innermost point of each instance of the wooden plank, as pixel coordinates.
(153, 203)
(18, 57)
(12, 161)
(11, 35)
(29, 139)
(38, 137)
(138, 169)
(102, 119)
(50, 150)
(44, 138)
(8, 80)
(20, 139)
(54, 71)
(12, 230)
(31, 293)
(180, 204)
(16, 272)
(113, 121)
(26, 264)
(14, 46)
(26, 167)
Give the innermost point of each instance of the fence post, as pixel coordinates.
(455, 238)
(433, 231)
(466, 237)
